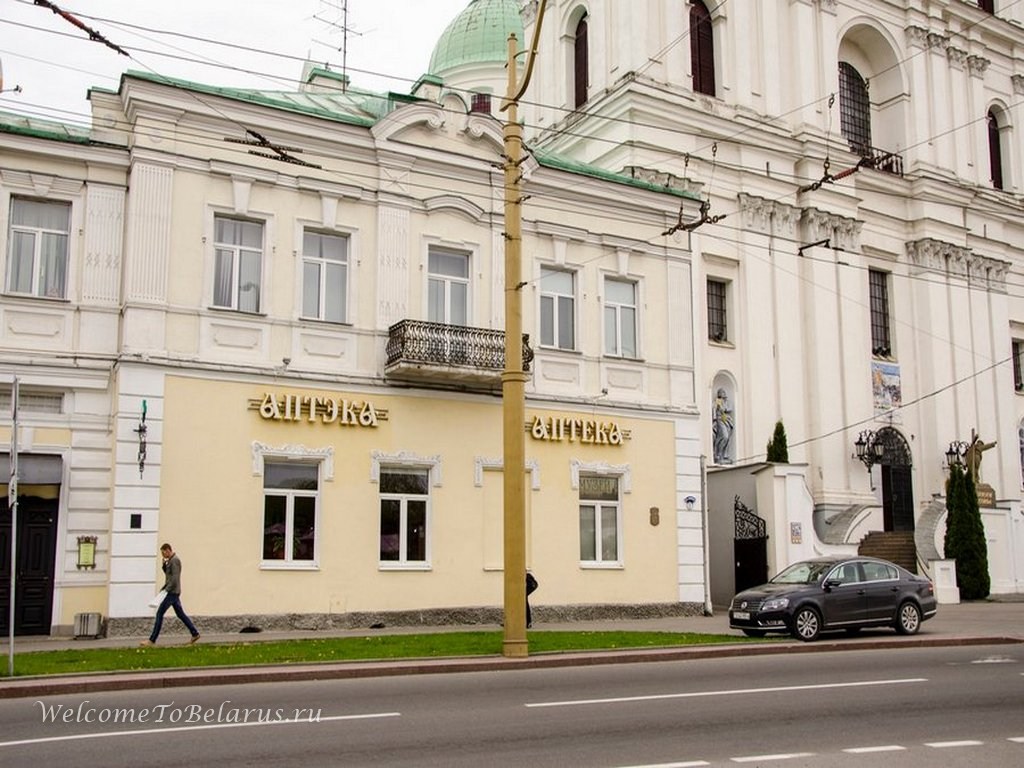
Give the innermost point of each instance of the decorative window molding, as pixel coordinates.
(577, 467)
(407, 460)
(325, 457)
(482, 464)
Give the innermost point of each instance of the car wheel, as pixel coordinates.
(806, 624)
(908, 620)
(753, 633)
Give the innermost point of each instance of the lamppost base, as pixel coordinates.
(515, 649)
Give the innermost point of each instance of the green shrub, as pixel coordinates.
(778, 450)
(965, 536)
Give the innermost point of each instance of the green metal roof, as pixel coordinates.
(478, 35)
(11, 122)
(354, 106)
(558, 162)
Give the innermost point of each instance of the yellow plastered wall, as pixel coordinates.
(212, 506)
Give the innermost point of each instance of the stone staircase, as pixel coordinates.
(895, 546)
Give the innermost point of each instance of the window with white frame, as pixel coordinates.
(324, 276)
(447, 286)
(404, 516)
(620, 318)
(37, 254)
(878, 291)
(600, 519)
(291, 493)
(557, 308)
(238, 264)
(718, 318)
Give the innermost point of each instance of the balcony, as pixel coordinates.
(436, 353)
(879, 159)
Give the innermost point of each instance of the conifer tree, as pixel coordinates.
(965, 536)
(778, 449)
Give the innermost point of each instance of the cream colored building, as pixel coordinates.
(299, 384)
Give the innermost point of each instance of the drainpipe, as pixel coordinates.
(708, 610)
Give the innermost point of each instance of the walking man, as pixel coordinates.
(172, 586)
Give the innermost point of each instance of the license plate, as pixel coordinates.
(742, 615)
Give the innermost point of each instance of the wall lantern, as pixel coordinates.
(869, 448)
(956, 454)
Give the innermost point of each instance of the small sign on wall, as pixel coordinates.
(796, 533)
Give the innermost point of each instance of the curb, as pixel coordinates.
(209, 676)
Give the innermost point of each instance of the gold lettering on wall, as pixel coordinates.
(558, 429)
(315, 409)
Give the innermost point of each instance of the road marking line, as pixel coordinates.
(762, 758)
(1018, 739)
(947, 744)
(691, 764)
(868, 750)
(734, 692)
(177, 729)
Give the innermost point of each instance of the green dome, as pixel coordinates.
(478, 35)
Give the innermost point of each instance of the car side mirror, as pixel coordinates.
(831, 584)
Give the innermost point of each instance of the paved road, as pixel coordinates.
(949, 706)
(965, 623)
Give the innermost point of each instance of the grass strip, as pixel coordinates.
(368, 648)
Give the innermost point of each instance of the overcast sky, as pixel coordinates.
(55, 63)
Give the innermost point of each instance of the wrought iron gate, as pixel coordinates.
(750, 547)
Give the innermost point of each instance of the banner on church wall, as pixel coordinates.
(885, 386)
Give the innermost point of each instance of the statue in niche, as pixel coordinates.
(722, 428)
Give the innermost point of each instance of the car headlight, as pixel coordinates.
(775, 604)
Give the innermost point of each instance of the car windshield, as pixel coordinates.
(803, 573)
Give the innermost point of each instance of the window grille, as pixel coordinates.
(881, 345)
(702, 49)
(854, 109)
(718, 329)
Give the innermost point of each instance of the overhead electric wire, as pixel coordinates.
(746, 245)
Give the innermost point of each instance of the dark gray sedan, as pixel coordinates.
(831, 593)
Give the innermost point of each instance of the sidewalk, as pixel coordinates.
(979, 623)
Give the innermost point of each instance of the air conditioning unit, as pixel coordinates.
(88, 625)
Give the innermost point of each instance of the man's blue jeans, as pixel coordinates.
(171, 601)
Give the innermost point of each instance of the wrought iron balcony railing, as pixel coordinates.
(879, 159)
(440, 351)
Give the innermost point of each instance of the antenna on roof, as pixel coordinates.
(341, 6)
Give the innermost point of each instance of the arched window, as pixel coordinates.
(854, 109)
(702, 49)
(581, 64)
(995, 151)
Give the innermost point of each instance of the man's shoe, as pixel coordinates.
(146, 643)
(194, 640)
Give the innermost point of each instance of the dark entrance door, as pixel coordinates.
(897, 499)
(897, 485)
(37, 543)
(750, 547)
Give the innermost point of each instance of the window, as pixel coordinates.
(581, 64)
(878, 571)
(702, 49)
(1018, 371)
(854, 109)
(37, 257)
(290, 504)
(718, 329)
(878, 282)
(404, 511)
(238, 264)
(620, 318)
(987, 5)
(324, 277)
(447, 287)
(599, 519)
(557, 309)
(995, 150)
(480, 102)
